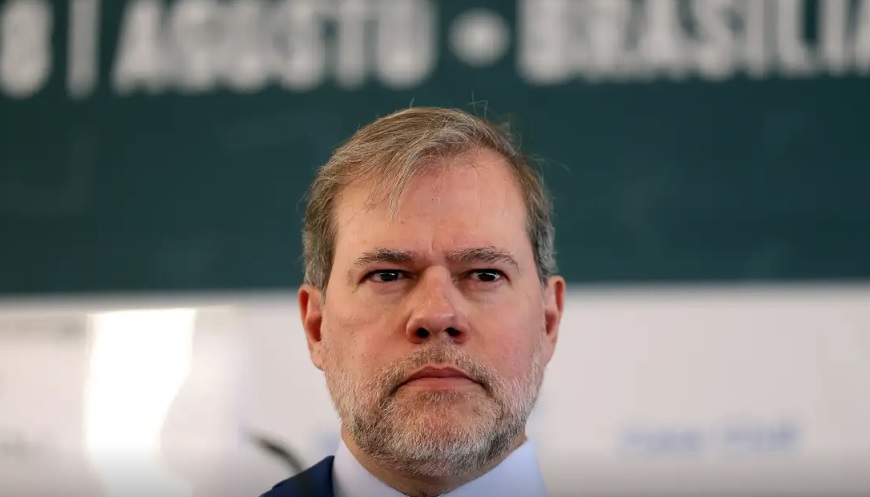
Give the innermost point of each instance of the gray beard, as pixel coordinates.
(398, 429)
(398, 440)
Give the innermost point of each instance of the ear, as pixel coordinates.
(311, 310)
(554, 305)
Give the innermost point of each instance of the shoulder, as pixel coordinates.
(315, 481)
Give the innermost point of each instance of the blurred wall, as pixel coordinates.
(682, 392)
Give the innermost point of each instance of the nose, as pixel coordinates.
(434, 310)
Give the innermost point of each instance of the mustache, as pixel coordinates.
(397, 373)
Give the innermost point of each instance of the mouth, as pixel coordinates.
(439, 378)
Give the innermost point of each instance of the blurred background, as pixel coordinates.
(710, 163)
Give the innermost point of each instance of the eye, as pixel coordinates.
(385, 276)
(487, 275)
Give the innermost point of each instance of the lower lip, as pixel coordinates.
(433, 383)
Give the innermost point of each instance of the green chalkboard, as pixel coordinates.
(151, 145)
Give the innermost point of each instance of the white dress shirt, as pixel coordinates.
(517, 476)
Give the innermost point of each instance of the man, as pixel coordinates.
(431, 306)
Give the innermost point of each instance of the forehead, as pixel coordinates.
(471, 200)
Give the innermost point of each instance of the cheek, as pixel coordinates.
(355, 311)
(512, 341)
(516, 362)
(348, 344)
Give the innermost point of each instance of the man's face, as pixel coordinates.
(449, 284)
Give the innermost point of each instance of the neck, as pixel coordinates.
(417, 486)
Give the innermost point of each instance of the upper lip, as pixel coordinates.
(438, 372)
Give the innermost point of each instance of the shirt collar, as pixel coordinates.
(517, 476)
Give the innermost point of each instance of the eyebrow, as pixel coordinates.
(463, 256)
(483, 254)
(384, 255)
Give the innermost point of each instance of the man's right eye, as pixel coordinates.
(385, 276)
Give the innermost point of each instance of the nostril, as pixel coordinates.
(422, 333)
(453, 332)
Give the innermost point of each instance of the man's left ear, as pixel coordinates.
(554, 304)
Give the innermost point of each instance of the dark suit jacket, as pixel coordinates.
(315, 481)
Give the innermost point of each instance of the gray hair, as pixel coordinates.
(395, 149)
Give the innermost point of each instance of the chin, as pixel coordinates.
(443, 449)
(452, 424)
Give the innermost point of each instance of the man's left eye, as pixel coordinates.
(487, 275)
